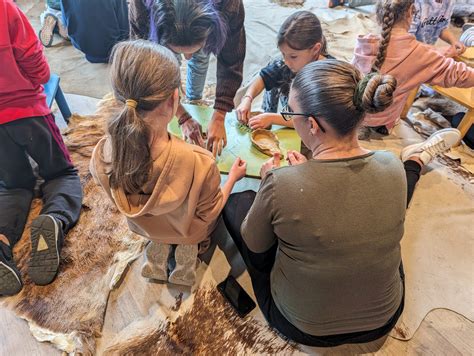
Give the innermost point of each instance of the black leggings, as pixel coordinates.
(259, 266)
(38, 137)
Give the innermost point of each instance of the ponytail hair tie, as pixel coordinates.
(131, 103)
(360, 89)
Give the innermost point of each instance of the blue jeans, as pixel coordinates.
(196, 75)
(54, 4)
(271, 98)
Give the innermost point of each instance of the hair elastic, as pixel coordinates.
(360, 89)
(131, 103)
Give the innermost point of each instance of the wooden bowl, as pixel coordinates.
(266, 142)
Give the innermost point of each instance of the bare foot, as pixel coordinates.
(4, 239)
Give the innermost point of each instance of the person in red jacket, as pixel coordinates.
(28, 130)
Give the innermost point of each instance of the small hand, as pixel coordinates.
(243, 110)
(450, 51)
(191, 130)
(459, 47)
(272, 163)
(294, 158)
(216, 136)
(238, 170)
(261, 121)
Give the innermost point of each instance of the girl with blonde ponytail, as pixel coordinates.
(168, 190)
(411, 63)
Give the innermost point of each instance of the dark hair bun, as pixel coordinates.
(378, 94)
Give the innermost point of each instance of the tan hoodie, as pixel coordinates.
(412, 63)
(180, 203)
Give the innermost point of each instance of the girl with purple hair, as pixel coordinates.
(197, 28)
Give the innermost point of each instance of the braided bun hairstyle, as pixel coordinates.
(335, 91)
(389, 12)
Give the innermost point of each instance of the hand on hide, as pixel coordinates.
(216, 136)
(243, 110)
(262, 121)
(191, 130)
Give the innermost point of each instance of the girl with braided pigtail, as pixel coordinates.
(396, 52)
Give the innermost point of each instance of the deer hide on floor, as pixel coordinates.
(70, 311)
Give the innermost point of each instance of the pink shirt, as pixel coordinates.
(412, 63)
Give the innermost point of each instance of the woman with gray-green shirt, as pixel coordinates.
(321, 238)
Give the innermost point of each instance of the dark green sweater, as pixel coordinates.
(338, 224)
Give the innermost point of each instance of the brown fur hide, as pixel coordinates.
(429, 114)
(96, 252)
(209, 327)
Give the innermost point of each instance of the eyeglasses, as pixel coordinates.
(288, 114)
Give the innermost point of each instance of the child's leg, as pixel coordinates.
(416, 156)
(62, 193)
(16, 192)
(412, 171)
(185, 271)
(156, 261)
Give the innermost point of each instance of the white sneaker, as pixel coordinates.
(439, 142)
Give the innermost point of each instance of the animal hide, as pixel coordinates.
(70, 311)
(202, 322)
(196, 332)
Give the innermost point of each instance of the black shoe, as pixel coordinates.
(10, 279)
(46, 242)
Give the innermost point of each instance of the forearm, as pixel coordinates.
(277, 119)
(230, 60)
(448, 37)
(255, 88)
(227, 189)
(182, 114)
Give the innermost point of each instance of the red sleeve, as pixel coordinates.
(26, 46)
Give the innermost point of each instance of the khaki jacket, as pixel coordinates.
(181, 202)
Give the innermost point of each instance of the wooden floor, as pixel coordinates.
(443, 332)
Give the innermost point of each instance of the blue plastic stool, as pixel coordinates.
(53, 92)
